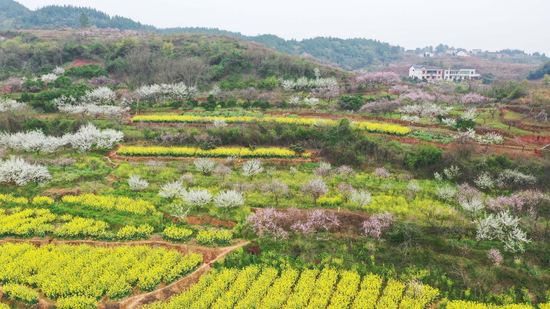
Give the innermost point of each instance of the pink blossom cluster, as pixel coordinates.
(380, 107)
(495, 257)
(375, 225)
(474, 99)
(382, 172)
(377, 79)
(280, 224)
(466, 194)
(514, 202)
(328, 93)
(11, 85)
(417, 96)
(399, 89)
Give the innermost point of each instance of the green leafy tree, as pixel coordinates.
(84, 21)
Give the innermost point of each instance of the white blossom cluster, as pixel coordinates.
(470, 135)
(8, 105)
(304, 83)
(229, 199)
(99, 95)
(470, 114)
(91, 104)
(49, 78)
(172, 190)
(360, 198)
(166, 92)
(425, 110)
(84, 139)
(219, 123)
(252, 168)
(445, 193)
(451, 122)
(137, 183)
(502, 227)
(93, 110)
(204, 165)
(17, 171)
(197, 197)
(474, 205)
(58, 71)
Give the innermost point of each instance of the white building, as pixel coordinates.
(426, 72)
(462, 54)
(466, 73)
(415, 71)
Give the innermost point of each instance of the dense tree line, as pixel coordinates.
(190, 58)
(349, 54)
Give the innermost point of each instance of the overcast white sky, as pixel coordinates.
(485, 24)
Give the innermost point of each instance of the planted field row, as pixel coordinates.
(95, 202)
(362, 125)
(92, 272)
(255, 287)
(221, 152)
(36, 222)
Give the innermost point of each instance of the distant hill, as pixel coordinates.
(16, 16)
(350, 54)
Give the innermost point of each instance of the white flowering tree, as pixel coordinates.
(166, 92)
(502, 227)
(445, 193)
(425, 110)
(252, 168)
(49, 78)
(197, 197)
(58, 71)
(473, 206)
(15, 170)
(172, 190)
(229, 199)
(99, 95)
(137, 183)
(205, 166)
(484, 181)
(88, 136)
(8, 105)
(361, 198)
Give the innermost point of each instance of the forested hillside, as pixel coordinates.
(350, 54)
(196, 59)
(17, 16)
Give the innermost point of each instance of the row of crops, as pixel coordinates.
(221, 152)
(255, 287)
(119, 204)
(362, 125)
(65, 271)
(37, 222)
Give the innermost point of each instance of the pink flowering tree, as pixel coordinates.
(376, 224)
(475, 99)
(417, 96)
(380, 107)
(378, 79)
(280, 225)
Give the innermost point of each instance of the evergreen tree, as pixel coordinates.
(84, 21)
